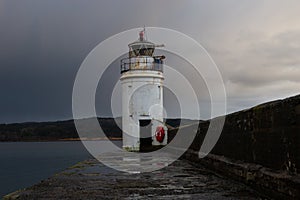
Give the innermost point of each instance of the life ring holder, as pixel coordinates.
(160, 134)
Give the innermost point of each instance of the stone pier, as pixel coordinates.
(180, 180)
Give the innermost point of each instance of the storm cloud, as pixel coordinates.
(255, 44)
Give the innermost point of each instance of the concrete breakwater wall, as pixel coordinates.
(265, 137)
(267, 134)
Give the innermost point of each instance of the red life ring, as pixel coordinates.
(160, 134)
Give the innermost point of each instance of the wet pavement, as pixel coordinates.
(92, 180)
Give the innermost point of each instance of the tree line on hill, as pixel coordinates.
(60, 130)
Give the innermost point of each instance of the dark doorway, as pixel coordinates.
(145, 135)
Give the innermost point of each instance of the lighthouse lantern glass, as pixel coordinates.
(141, 49)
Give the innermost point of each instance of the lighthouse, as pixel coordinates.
(142, 97)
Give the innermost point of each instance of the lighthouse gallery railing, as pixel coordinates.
(142, 63)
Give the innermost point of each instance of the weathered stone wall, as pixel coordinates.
(268, 134)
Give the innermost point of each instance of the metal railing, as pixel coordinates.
(128, 64)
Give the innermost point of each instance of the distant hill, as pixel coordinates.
(65, 130)
(62, 130)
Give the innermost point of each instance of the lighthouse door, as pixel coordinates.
(145, 134)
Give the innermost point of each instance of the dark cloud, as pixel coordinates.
(43, 43)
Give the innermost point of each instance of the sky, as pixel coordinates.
(255, 45)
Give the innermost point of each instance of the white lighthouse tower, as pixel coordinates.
(142, 97)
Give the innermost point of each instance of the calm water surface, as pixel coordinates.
(26, 163)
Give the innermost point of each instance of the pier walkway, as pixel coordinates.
(91, 179)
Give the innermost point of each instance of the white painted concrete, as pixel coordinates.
(142, 98)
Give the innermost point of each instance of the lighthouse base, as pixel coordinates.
(144, 149)
(131, 149)
(147, 142)
(145, 135)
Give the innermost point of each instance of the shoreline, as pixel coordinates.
(66, 140)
